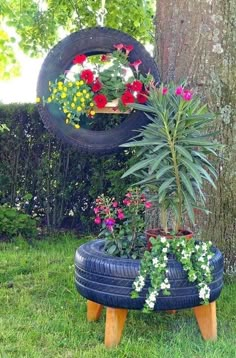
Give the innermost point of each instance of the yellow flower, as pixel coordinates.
(67, 120)
(55, 90)
(79, 109)
(82, 105)
(63, 95)
(82, 99)
(49, 100)
(60, 84)
(81, 82)
(70, 84)
(38, 99)
(72, 105)
(91, 104)
(78, 94)
(69, 115)
(65, 110)
(84, 91)
(52, 96)
(65, 88)
(87, 95)
(77, 83)
(92, 113)
(74, 99)
(77, 126)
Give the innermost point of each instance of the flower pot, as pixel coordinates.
(160, 232)
(111, 108)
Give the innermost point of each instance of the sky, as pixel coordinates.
(22, 89)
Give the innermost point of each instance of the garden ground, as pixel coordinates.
(41, 314)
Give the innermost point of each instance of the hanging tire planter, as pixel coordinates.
(108, 280)
(91, 42)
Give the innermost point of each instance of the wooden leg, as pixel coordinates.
(206, 319)
(115, 321)
(94, 310)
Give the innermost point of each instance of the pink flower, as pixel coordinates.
(119, 46)
(96, 210)
(136, 64)
(110, 222)
(127, 202)
(121, 216)
(187, 95)
(128, 195)
(164, 91)
(179, 91)
(128, 48)
(115, 204)
(148, 205)
(97, 220)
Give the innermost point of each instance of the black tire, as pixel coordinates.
(108, 280)
(90, 42)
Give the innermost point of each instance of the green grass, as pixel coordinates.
(41, 314)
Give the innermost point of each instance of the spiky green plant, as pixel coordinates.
(173, 151)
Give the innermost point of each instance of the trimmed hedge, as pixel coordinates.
(49, 179)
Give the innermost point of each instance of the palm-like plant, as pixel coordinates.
(173, 151)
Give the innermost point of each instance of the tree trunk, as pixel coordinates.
(196, 40)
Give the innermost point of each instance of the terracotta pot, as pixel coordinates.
(160, 232)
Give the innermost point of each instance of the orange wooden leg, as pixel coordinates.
(94, 310)
(115, 321)
(206, 319)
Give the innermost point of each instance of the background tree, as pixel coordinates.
(40, 24)
(197, 40)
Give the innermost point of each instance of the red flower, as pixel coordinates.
(179, 91)
(100, 100)
(128, 48)
(129, 86)
(142, 97)
(119, 46)
(79, 59)
(87, 76)
(127, 98)
(136, 86)
(96, 86)
(104, 58)
(136, 64)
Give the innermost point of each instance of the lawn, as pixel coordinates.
(41, 314)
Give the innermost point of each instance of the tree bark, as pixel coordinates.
(196, 40)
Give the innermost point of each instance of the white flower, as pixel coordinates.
(197, 247)
(201, 259)
(163, 239)
(164, 249)
(166, 280)
(155, 261)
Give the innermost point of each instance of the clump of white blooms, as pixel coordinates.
(195, 259)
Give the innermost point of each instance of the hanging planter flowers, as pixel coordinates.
(88, 87)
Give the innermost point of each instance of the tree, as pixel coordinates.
(41, 24)
(197, 40)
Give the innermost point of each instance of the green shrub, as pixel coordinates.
(14, 223)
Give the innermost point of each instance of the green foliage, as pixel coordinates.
(49, 179)
(174, 149)
(14, 223)
(40, 27)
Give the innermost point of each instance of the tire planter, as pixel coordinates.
(90, 42)
(107, 280)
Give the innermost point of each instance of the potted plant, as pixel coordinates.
(120, 271)
(104, 83)
(173, 163)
